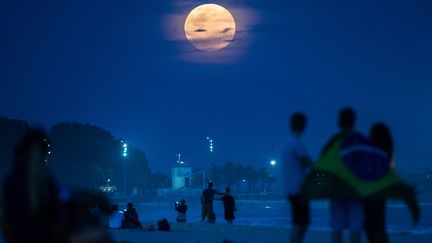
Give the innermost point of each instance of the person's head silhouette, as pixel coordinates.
(298, 123)
(347, 119)
(210, 184)
(380, 136)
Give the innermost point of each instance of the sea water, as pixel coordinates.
(277, 214)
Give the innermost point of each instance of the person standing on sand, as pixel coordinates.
(181, 209)
(295, 163)
(229, 206)
(375, 208)
(345, 212)
(207, 198)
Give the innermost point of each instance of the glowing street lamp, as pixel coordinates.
(210, 141)
(125, 149)
(211, 149)
(179, 161)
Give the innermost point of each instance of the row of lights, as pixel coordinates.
(210, 144)
(211, 148)
(125, 148)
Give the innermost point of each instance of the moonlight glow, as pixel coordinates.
(210, 27)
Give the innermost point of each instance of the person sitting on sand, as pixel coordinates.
(229, 206)
(131, 219)
(181, 209)
(116, 217)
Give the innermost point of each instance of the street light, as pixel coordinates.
(210, 141)
(211, 148)
(179, 161)
(125, 148)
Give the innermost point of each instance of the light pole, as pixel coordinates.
(179, 161)
(211, 148)
(124, 155)
(210, 141)
(273, 164)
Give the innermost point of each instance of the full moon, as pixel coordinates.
(210, 27)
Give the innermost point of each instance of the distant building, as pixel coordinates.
(181, 177)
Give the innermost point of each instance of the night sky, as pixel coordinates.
(126, 66)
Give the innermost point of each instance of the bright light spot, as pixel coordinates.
(273, 162)
(244, 180)
(125, 145)
(49, 152)
(181, 162)
(267, 207)
(124, 154)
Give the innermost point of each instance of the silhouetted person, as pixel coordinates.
(345, 212)
(295, 163)
(116, 217)
(181, 209)
(131, 219)
(32, 207)
(207, 198)
(229, 206)
(84, 211)
(374, 208)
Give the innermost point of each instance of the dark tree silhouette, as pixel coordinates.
(86, 156)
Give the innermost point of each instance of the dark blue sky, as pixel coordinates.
(111, 63)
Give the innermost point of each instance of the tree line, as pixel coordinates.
(85, 156)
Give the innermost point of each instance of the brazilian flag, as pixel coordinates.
(351, 167)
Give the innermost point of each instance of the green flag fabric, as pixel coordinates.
(331, 178)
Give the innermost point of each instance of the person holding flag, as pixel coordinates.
(351, 169)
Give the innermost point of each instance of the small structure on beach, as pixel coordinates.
(181, 177)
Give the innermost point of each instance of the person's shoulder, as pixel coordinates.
(332, 141)
(293, 141)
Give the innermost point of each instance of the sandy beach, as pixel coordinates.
(205, 233)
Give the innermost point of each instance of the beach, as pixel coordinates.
(205, 233)
(263, 221)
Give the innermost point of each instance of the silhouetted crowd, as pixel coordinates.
(354, 172)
